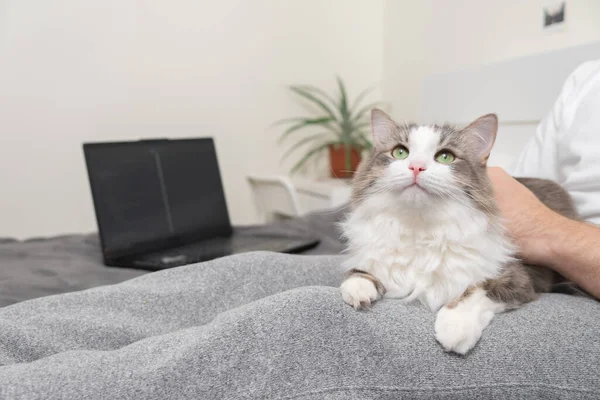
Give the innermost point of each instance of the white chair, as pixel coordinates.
(275, 197)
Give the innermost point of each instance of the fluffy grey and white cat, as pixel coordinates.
(424, 226)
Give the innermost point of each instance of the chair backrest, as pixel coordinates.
(275, 197)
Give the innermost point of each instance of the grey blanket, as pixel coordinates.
(45, 266)
(273, 326)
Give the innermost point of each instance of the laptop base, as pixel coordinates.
(209, 249)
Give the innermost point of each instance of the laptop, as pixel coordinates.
(160, 204)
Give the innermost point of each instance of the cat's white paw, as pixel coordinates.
(359, 292)
(458, 330)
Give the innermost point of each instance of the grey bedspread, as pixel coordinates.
(263, 326)
(46, 266)
(273, 326)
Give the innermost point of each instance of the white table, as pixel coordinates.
(279, 196)
(322, 194)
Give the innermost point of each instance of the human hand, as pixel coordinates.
(531, 224)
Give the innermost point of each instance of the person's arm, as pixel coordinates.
(547, 238)
(575, 253)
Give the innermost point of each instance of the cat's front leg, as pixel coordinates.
(459, 325)
(360, 289)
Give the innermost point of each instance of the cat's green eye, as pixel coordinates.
(445, 157)
(400, 153)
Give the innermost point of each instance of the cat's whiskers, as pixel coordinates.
(379, 189)
(484, 194)
(449, 192)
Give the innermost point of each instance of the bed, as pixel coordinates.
(271, 326)
(46, 266)
(262, 326)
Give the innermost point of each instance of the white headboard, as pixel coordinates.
(521, 91)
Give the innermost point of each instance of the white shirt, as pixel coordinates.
(566, 146)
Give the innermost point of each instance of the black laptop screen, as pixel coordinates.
(151, 193)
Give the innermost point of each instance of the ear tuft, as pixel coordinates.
(483, 133)
(382, 126)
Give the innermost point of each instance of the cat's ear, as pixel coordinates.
(482, 133)
(382, 127)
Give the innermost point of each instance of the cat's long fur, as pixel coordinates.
(439, 239)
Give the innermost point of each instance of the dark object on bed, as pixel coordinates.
(160, 204)
(47, 266)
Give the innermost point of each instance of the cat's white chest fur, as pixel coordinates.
(433, 255)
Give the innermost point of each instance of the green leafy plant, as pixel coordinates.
(343, 124)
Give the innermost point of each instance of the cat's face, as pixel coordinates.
(423, 164)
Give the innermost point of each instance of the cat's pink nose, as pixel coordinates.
(416, 169)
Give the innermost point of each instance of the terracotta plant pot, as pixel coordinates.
(337, 161)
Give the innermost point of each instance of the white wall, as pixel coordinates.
(433, 36)
(74, 71)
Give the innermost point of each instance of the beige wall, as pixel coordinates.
(430, 36)
(74, 71)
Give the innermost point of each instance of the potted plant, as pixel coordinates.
(345, 128)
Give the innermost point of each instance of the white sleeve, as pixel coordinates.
(539, 158)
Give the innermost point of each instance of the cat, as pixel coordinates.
(423, 225)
